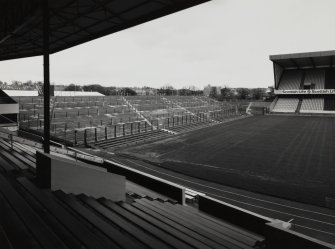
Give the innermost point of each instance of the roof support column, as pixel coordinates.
(46, 74)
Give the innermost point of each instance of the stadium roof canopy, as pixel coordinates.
(305, 60)
(42, 27)
(73, 22)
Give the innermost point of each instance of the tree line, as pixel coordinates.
(225, 93)
(241, 93)
(111, 90)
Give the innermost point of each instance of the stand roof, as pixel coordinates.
(73, 22)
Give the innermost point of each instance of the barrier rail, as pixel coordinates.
(159, 185)
(70, 152)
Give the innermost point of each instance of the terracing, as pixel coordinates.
(83, 120)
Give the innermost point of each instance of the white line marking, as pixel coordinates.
(321, 231)
(270, 209)
(225, 191)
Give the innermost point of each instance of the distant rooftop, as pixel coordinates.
(76, 93)
(26, 93)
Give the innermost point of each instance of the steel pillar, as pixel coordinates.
(46, 74)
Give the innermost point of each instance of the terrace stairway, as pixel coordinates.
(137, 112)
(176, 104)
(299, 106)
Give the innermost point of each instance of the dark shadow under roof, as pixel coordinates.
(305, 60)
(73, 22)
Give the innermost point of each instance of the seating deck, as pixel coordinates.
(31, 217)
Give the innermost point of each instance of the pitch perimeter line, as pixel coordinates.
(229, 192)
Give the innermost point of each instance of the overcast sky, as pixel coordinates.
(222, 42)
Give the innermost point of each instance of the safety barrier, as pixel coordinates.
(154, 183)
(277, 232)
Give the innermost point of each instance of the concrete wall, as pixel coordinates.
(277, 234)
(233, 214)
(278, 237)
(156, 184)
(9, 108)
(78, 178)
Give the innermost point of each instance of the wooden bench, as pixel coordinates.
(82, 233)
(217, 223)
(224, 235)
(36, 225)
(20, 154)
(5, 166)
(12, 158)
(137, 217)
(195, 229)
(14, 229)
(4, 240)
(181, 232)
(57, 227)
(111, 235)
(125, 225)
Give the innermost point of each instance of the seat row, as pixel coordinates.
(118, 142)
(286, 105)
(33, 217)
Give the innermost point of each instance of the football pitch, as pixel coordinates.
(287, 156)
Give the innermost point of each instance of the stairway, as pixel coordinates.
(137, 112)
(299, 106)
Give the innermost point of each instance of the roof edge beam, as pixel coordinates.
(312, 61)
(295, 63)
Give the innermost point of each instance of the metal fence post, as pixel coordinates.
(75, 137)
(95, 135)
(85, 137)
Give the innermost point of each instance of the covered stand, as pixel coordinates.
(43, 27)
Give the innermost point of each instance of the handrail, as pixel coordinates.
(75, 153)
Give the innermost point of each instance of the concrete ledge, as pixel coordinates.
(74, 177)
(156, 184)
(238, 216)
(276, 232)
(277, 237)
(9, 108)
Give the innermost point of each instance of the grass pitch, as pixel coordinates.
(286, 156)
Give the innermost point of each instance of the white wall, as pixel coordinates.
(21, 93)
(73, 93)
(9, 108)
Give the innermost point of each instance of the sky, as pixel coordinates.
(222, 43)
